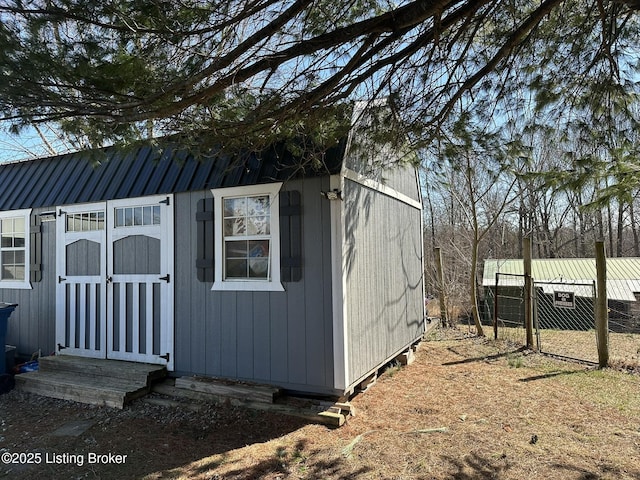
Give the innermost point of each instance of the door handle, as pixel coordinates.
(109, 279)
(166, 278)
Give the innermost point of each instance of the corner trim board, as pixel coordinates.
(338, 285)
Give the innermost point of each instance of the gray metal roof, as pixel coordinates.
(113, 173)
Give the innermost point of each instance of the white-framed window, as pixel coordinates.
(14, 249)
(247, 238)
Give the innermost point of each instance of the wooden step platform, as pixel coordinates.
(193, 392)
(89, 380)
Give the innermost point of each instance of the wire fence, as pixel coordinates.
(504, 308)
(563, 319)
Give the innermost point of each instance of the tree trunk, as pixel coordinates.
(634, 229)
(473, 282)
(620, 228)
(610, 226)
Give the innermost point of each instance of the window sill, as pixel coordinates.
(5, 285)
(248, 286)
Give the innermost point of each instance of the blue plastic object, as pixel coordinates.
(6, 309)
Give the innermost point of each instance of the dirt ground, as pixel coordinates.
(467, 408)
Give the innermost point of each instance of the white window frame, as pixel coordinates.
(252, 285)
(26, 283)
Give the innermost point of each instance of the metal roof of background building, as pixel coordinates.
(623, 274)
(112, 173)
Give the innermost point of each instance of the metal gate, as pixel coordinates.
(564, 319)
(505, 306)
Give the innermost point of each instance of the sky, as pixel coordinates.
(28, 145)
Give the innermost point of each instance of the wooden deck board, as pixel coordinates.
(102, 367)
(254, 393)
(88, 380)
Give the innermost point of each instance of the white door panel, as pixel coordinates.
(115, 272)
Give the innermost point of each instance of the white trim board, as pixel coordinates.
(338, 286)
(380, 187)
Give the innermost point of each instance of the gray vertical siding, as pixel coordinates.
(382, 163)
(280, 338)
(32, 325)
(384, 291)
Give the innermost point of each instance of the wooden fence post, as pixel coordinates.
(528, 290)
(602, 310)
(444, 320)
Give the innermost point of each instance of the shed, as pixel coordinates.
(248, 268)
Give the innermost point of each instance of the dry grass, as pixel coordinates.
(624, 348)
(468, 408)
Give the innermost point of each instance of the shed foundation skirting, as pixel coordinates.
(257, 397)
(374, 371)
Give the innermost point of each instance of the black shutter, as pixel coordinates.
(205, 240)
(290, 237)
(35, 249)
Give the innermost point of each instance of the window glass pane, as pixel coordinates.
(8, 258)
(259, 248)
(7, 241)
(18, 240)
(258, 226)
(236, 268)
(236, 249)
(247, 217)
(128, 217)
(259, 268)
(258, 205)
(18, 257)
(85, 221)
(235, 226)
(137, 216)
(119, 217)
(259, 259)
(18, 225)
(19, 272)
(7, 226)
(13, 265)
(8, 273)
(235, 207)
(147, 216)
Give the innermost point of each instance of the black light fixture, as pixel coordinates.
(48, 216)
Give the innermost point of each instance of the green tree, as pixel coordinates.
(116, 71)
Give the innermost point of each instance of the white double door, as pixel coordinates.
(114, 271)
